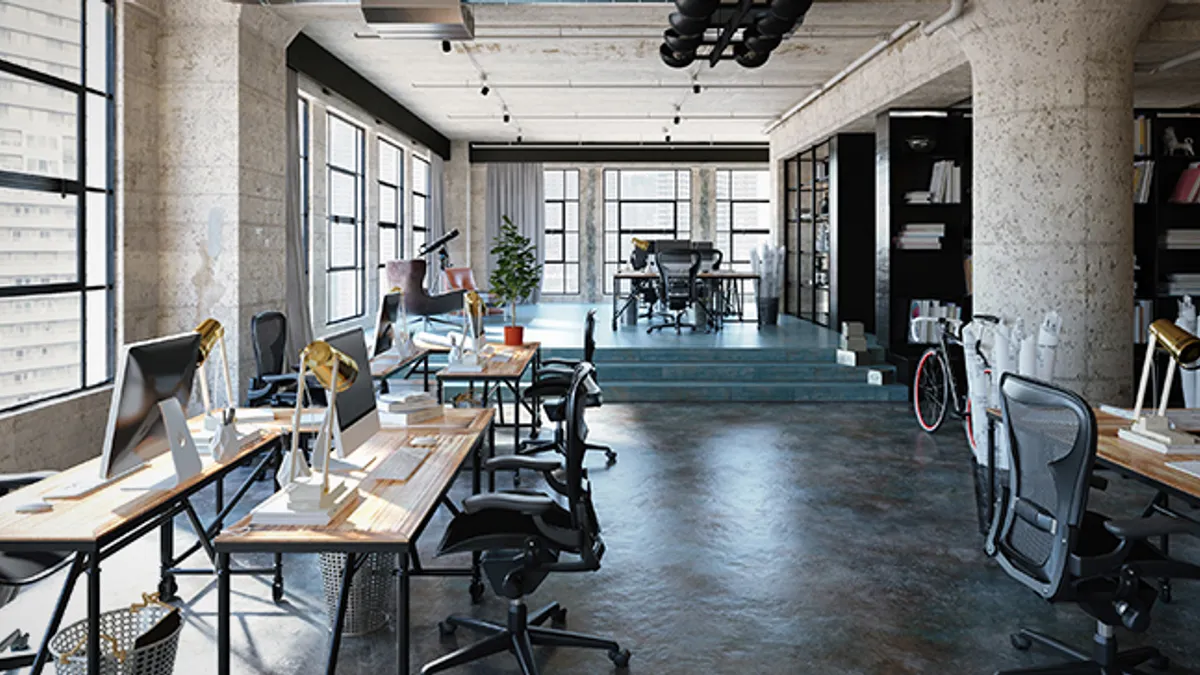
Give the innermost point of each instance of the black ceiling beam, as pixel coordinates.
(310, 58)
(642, 153)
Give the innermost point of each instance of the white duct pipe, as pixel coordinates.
(1176, 62)
(955, 11)
(845, 72)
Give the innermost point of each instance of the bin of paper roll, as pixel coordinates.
(142, 639)
(366, 607)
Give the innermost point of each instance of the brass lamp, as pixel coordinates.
(1155, 431)
(335, 372)
(212, 336)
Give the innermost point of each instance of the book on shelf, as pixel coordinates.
(1183, 283)
(945, 185)
(1143, 175)
(921, 237)
(925, 332)
(1141, 136)
(1187, 188)
(1181, 240)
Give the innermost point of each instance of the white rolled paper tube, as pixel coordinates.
(1047, 346)
(1027, 361)
(1001, 360)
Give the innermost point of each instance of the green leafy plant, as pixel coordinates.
(517, 273)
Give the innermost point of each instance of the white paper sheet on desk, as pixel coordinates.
(1191, 468)
(1187, 419)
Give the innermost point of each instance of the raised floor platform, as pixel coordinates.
(794, 361)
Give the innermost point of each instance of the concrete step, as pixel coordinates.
(733, 373)
(692, 355)
(639, 392)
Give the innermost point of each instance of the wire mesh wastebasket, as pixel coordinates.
(119, 631)
(370, 593)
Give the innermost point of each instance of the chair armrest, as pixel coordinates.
(15, 481)
(1153, 526)
(284, 378)
(1098, 482)
(512, 462)
(548, 388)
(530, 505)
(568, 363)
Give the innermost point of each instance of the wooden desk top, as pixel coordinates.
(80, 523)
(386, 515)
(385, 365)
(513, 368)
(718, 274)
(454, 421)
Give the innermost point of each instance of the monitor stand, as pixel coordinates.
(85, 486)
(184, 455)
(332, 445)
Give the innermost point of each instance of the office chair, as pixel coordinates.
(463, 279)
(274, 384)
(710, 261)
(522, 535)
(677, 269)
(550, 386)
(1047, 539)
(409, 275)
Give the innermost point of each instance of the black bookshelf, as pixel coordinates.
(829, 231)
(908, 143)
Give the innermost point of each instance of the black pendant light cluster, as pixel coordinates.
(753, 31)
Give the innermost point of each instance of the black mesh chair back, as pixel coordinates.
(710, 260)
(268, 332)
(589, 337)
(677, 269)
(579, 491)
(1052, 449)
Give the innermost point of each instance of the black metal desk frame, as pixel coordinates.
(493, 385)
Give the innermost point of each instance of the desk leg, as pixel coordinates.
(166, 553)
(220, 489)
(339, 620)
(223, 617)
(402, 648)
(1164, 543)
(93, 614)
(64, 597)
(425, 373)
(616, 295)
(491, 453)
(516, 420)
(441, 397)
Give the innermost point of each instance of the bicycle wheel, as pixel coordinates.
(931, 391)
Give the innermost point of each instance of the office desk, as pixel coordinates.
(386, 365)
(717, 306)
(387, 518)
(99, 524)
(509, 374)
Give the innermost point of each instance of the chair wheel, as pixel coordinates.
(611, 457)
(560, 618)
(167, 588)
(620, 658)
(1020, 642)
(446, 629)
(1159, 662)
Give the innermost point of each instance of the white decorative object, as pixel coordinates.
(1172, 143)
(1047, 345)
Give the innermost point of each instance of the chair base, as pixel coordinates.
(675, 320)
(522, 633)
(1105, 658)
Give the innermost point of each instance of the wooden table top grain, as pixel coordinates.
(519, 360)
(86, 520)
(386, 514)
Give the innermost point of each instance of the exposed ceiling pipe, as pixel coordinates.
(615, 116)
(845, 72)
(955, 11)
(472, 84)
(1176, 62)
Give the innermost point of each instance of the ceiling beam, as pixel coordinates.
(653, 153)
(618, 116)
(476, 84)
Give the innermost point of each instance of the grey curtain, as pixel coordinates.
(298, 311)
(517, 191)
(437, 218)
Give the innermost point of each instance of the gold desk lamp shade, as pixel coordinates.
(1180, 344)
(641, 243)
(322, 360)
(211, 331)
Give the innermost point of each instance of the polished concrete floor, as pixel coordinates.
(741, 539)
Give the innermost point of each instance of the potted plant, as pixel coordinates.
(516, 275)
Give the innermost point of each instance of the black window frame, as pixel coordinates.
(423, 195)
(305, 154)
(726, 238)
(624, 234)
(382, 224)
(358, 220)
(563, 204)
(79, 188)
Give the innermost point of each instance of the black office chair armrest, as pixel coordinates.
(283, 378)
(549, 388)
(1153, 526)
(1098, 482)
(530, 505)
(568, 363)
(14, 481)
(512, 462)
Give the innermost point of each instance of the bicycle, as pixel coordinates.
(936, 386)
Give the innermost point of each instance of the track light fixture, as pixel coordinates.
(484, 91)
(677, 120)
(668, 138)
(507, 118)
(445, 46)
(696, 88)
(520, 138)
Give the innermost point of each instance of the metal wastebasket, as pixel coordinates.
(370, 592)
(119, 632)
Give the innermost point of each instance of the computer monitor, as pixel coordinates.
(702, 245)
(385, 323)
(357, 414)
(148, 372)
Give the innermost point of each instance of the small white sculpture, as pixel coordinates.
(1172, 144)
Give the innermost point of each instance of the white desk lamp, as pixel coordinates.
(1154, 431)
(224, 435)
(335, 372)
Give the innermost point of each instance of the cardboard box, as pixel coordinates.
(847, 357)
(880, 377)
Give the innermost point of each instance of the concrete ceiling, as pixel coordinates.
(589, 72)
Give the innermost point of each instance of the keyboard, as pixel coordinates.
(400, 465)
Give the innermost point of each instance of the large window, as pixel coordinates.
(743, 214)
(391, 209)
(646, 205)
(345, 271)
(560, 275)
(305, 174)
(420, 214)
(56, 213)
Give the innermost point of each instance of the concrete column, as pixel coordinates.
(458, 205)
(1053, 211)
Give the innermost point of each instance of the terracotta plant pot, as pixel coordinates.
(514, 336)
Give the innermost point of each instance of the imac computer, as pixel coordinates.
(385, 324)
(357, 414)
(148, 372)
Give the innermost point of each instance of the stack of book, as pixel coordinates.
(927, 331)
(945, 186)
(1182, 240)
(1143, 174)
(1183, 283)
(412, 408)
(1141, 136)
(1187, 188)
(921, 237)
